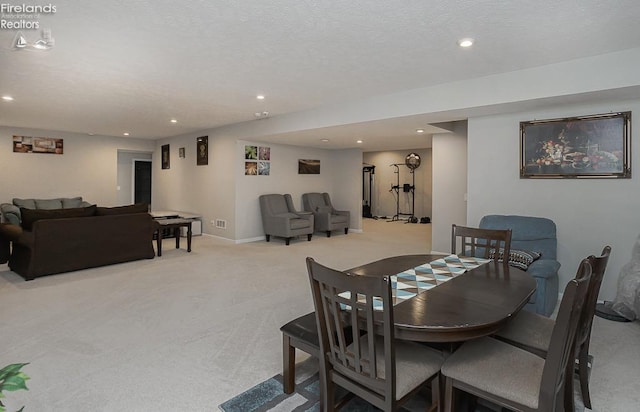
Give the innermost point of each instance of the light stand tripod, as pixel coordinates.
(406, 188)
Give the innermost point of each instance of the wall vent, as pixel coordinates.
(221, 224)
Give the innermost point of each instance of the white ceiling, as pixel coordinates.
(132, 65)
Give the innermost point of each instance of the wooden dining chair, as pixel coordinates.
(300, 333)
(485, 243)
(532, 332)
(513, 377)
(374, 367)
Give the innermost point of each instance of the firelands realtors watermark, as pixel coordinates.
(23, 16)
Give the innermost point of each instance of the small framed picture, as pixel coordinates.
(165, 157)
(181, 153)
(202, 154)
(308, 167)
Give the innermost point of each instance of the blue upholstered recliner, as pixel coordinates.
(536, 234)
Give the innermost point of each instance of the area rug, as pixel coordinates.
(269, 396)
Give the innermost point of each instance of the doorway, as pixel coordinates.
(141, 181)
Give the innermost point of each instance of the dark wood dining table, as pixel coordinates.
(474, 304)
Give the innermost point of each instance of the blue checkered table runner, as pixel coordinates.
(409, 283)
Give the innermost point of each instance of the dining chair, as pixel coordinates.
(513, 377)
(485, 243)
(301, 333)
(532, 332)
(375, 367)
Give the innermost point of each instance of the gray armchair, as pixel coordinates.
(279, 218)
(535, 234)
(326, 217)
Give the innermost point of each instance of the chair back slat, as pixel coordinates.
(484, 243)
(561, 347)
(341, 300)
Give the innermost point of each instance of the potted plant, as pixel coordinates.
(11, 379)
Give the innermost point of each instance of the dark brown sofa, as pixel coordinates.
(56, 245)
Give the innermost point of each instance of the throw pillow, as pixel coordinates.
(30, 216)
(123, 210)
(517, 258)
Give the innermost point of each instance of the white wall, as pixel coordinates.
(589, 213)
(449, 185)
(88, 167)
(221, 190)
(208, 190)
(339, 176)
(383, 200)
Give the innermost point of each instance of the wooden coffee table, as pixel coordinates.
(174, 225)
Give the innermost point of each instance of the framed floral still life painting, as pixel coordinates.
(596, 146)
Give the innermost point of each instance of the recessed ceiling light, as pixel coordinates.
(174, 121)
(466, 42)
(260, 97)
(126, 133)
(419, 130)
(358, 141)
(325, 140)
(7, 98)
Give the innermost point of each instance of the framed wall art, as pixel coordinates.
(29, 144)
(202, 155)
(595, 146)
(308, 167)
(165, 157)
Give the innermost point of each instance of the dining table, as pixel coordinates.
(466, 306)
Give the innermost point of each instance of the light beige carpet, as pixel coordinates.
(187, 331)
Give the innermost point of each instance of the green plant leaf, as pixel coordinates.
(11, 370)
(14, 383)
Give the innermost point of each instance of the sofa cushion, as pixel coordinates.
(26, 203)
(48, 203)
(30, 216)
(70, 202)
(517, 258)
(323, 209)
(123, 210)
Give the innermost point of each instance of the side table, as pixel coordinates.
(173, 225)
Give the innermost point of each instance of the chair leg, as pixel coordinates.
(449, 399)
(569, 401)
(583, 372)
(328, 233)
(436, 394)
(346, 230)
(287, 240)
(268, 237)
(288, 365)
(309, 237)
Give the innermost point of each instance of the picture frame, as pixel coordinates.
(202, 151)
(594, 146)
(165, 156)
(308, 167)
(181, 153)
(31, 144)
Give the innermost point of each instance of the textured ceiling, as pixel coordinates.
(132, 65)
